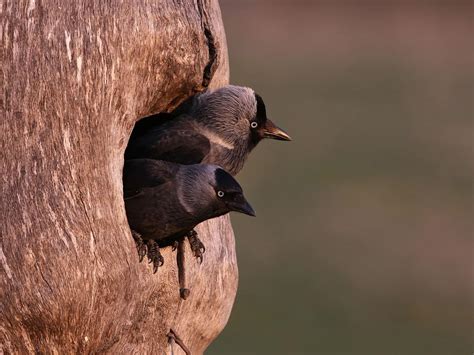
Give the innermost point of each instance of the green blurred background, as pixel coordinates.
(363, 242)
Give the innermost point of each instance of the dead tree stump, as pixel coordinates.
(76, 76)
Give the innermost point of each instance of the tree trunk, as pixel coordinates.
(76, 77)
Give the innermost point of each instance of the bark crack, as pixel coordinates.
(87, 217)
(211, 66)
(42, 276)
(94, 277)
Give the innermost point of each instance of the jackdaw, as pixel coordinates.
(215, 127)
(164, 202)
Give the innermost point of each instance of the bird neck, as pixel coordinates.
(194, 190)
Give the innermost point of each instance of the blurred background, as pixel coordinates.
(363, 242)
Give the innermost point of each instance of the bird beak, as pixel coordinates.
(270, 130)
(240, 204)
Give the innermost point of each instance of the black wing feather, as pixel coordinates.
(173, 145)
(143, 173)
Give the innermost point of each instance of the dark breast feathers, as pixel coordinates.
(152, 206)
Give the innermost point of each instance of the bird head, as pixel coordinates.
(208, 191)
(262, 127)
(238, 114)
(229, 194)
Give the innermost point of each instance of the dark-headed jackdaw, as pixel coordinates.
(165, 201)
(216, 127)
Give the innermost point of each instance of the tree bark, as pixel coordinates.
(76, 77)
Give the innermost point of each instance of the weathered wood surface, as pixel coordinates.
(76, 76)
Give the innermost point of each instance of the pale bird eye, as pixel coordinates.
(254, 124)
(220, 193)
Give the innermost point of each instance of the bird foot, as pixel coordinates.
(154, 255)
(175, 245)
(197, 247)
(141, 246)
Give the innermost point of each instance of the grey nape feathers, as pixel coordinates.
(216, 127)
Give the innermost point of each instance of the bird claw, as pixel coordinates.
(157, 264)
(175, 245)
(141, 246)
(154, 255)
(197, 247)
(141, 252)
